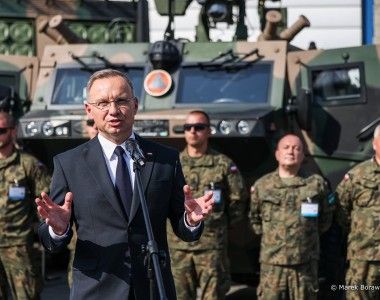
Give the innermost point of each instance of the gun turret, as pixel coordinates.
(57, 30)
(273, 18)
(289, 33)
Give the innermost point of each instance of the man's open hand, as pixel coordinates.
(56, 216)
(197, 209)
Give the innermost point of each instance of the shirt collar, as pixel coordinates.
(109, 147)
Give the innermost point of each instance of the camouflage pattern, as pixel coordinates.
(211, 274)
(260, 103)
(32, 24)
(23, 83)
(17, 264)
(323, 78)
(359, 210)
(298, 282)
(287, 237)
(364, 278)
(71, 247)
(206, 260)
(216, 168)
(17, 220)
(26, 171)
(289, 241)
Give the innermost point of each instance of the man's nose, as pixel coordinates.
(114, 109)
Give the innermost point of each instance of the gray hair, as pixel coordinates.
(376, 133)
(108, 73)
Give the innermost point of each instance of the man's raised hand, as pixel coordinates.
(197, 209)
(56, 216)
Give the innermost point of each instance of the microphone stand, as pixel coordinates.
(152, 253)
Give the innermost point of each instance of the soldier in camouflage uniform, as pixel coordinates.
(289, 209)
(359, 215)
(23, 177)
(204, 263)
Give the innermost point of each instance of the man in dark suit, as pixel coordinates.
(109, 257)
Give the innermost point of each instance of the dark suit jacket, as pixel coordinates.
(110, 250)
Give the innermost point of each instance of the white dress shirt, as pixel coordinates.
(111, 158)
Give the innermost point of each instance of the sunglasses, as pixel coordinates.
(197, 126)
(90, 122)
(4, 130)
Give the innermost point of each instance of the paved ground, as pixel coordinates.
(56, 288)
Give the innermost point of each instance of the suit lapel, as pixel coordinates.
(93, 156)
(146, 173)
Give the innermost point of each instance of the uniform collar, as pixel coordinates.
(295, 181)
(5, 162)
(206, 160)
(375, 167)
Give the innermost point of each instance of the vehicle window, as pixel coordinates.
(248, 84)
(9, 80)
(337, 84)
(70, 85)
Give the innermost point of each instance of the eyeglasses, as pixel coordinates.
(4, 130)
(197, 126)
(105, 105)
(90, 122)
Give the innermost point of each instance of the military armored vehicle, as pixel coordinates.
(252, 91)
(336, 91)
(26, 27)
(242, 85)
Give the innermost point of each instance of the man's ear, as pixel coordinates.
(136, 106)
(88, 108)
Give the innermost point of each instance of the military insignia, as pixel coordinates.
(157, 83)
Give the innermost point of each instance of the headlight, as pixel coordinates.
(243, 127)
(32, 128)
(225, 127)
(62, 130)
(47, 128)
(213, 129)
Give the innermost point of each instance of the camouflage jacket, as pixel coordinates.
(359, 210)
(288, 237)
(217, 170)
(23, 178)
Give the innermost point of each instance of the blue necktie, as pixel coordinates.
(123, 181)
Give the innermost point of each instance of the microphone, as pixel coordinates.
(135, 151)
